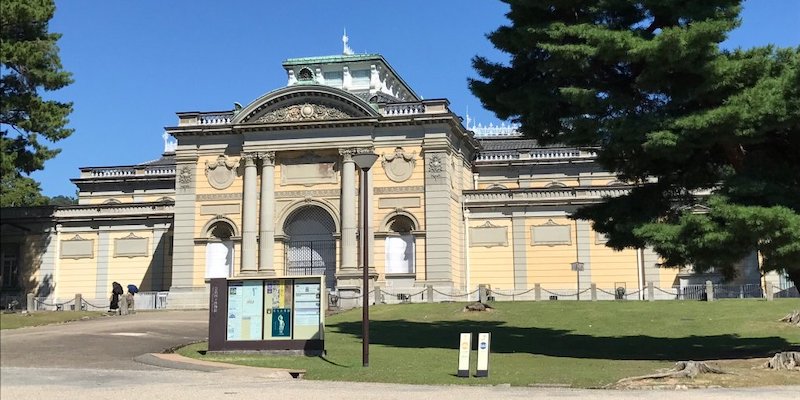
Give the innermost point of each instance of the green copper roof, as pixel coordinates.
(332, 59)
(341, 58)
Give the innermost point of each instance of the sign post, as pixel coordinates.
(464, 350)
(482, 370)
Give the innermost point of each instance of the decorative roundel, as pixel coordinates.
(307, 110)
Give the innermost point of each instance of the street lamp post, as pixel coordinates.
(577, 267)
(364, 162)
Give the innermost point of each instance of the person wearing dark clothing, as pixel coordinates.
(116, 291)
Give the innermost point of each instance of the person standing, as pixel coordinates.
(116, 291)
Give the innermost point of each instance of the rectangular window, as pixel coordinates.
(360, 78)
(333, 78)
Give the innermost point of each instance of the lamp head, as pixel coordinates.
(364, 161)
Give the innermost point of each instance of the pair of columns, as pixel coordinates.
(266, 230)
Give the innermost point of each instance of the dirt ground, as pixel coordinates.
(739, 373)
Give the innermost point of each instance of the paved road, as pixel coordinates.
(93, 359)
(108, 342)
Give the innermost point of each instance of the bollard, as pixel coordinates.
(377, 293)
(537, 292)
(709, 291)
(482, 294)
(78, 302)
(769, 294)
(651, 293)
(31, 306)
(594, 291)
(429, 288)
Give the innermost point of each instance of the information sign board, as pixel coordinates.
(483, 355)
(464, 350)
(250, 313)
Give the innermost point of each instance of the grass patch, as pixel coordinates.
(18, 320)
(582, 344)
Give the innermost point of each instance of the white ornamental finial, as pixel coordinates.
(346, 50)
(468, 118)
(169, 146)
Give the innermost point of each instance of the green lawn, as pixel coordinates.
(18, 320)
(582, 344)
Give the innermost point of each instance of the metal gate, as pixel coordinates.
(312, 258)
(311, 247)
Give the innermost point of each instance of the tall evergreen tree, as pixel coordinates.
(692, 126)
(29, 65)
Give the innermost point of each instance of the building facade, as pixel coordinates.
(271, 189)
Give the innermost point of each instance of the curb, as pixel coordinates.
(177, 361)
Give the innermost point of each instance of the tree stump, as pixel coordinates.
(477, 306)
(789, 360)
(792, 318)
(682, 369)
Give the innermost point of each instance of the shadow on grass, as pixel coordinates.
(562, 343)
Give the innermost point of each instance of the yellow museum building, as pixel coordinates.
(271, 189)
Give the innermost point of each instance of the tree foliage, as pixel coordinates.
(684, 121)
(30, 65)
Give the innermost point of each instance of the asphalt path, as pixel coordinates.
(94, 359)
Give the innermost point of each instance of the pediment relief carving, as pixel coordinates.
(304, 112)
(400, 165)
(221, 173)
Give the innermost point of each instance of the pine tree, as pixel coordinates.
(691, 126)
(30, 65)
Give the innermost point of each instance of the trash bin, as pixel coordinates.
(619, 294)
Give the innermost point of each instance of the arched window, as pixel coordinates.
(305, 75)
(400, 246)
(219, 250)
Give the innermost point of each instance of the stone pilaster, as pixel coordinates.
(348, 211)
(585, 237)
(102, 283)
(520, 246)
(438, 218)
(266, 231)
(183, 293)
(249, 263)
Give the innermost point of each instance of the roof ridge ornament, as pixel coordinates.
(346, 50)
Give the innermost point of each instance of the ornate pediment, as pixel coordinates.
(299, 103)
(303, 112)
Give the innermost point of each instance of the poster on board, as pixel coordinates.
(235, 293)
(252, 308)
(278, 307)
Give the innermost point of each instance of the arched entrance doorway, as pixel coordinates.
(219, 250)
(310, 245)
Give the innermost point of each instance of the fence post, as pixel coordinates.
(594, 292)
(769, 294)
(709, 291)
(377, 294)
(482, 295)
(78, 302)
(31, 306)
(537, 291)
(429, 293)
(651, 293)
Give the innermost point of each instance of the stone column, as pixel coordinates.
(266, 231)
(348, 211)
(249, 264)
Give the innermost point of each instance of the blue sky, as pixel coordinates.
(136, 63)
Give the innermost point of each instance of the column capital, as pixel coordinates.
(348, 153)
(249, 159)
(267, 157)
